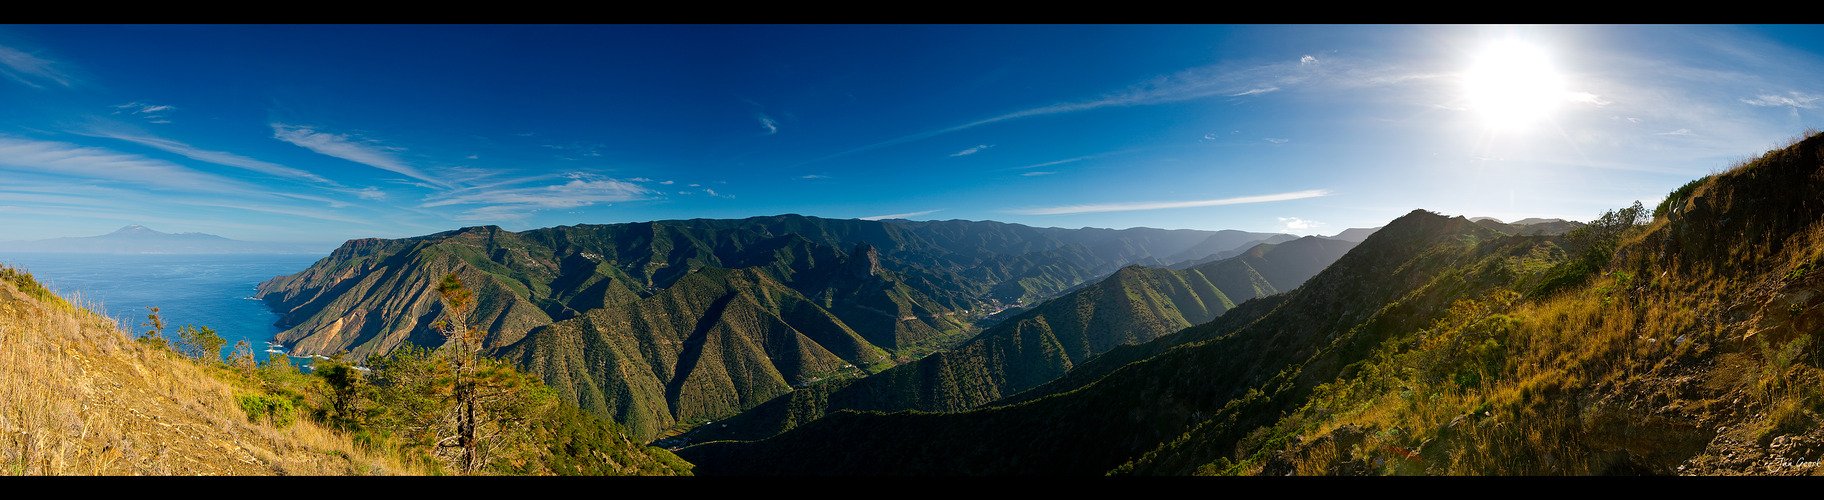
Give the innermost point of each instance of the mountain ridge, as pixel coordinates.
(903, 288)
(138, 239)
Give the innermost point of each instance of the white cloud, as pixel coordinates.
(20, 65)
(1796, 100)
(813, 176)
(576, 193)
(344, 147)
(767, 122)
(64, 159)
(665, 183)
(306, 213)
(1307, 59)
(153, 113)
(1031, 174)
(639, 179)
(899, 216)
(1155, 205)
(1254, 91)
(1276, 141)
(973, 150)
(219, 157)
(143, 108)
(1299, 226)
(1682, 131)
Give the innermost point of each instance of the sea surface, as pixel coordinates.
(203, 290)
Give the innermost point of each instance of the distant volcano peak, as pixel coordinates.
(135, 229)
(138, 239)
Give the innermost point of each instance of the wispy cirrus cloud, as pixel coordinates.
(1155, 205)
(25, 68)
(217, 157)
(348, 148)
(973, 150)
(1794, 99)
(155, 113)
(582, 190)
(899, 216)
(1035, 174)
(1059, 162)
(1189, 84)
(295, 212)
(108, 166)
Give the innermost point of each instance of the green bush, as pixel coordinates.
(276, 409)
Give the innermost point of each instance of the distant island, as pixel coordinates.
(137, 239)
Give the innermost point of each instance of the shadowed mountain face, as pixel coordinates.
(670, 322)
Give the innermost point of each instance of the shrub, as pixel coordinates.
(277, 410)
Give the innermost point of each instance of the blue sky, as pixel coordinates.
(325, 133)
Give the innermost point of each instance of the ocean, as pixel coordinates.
(203, 290)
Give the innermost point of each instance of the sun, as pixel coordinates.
(1513, 85)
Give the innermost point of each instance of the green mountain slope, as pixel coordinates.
(1091, 428)
(715, 341)
(811, 296)
(1134, 305)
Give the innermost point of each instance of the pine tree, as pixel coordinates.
(458, 304)
(491, 404)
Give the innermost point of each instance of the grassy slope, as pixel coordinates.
(78, 398)
(1692, 348)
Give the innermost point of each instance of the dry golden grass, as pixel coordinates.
(77, 397)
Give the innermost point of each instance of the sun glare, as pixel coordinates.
(1513, 85)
